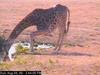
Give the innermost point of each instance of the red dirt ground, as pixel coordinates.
(82, 41)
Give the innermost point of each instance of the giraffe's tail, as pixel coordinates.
(68, 20)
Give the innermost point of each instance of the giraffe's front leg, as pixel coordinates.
(31, 42)
(37, 33)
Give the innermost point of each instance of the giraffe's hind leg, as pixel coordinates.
(60, 39)
(60, 42)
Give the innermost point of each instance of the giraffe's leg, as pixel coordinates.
(31, 42)
(60, 39)
(63, 31)
(37, 33)
(62, 35)
(60, 42)
(56, 47)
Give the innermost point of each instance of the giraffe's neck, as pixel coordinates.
(16, 32)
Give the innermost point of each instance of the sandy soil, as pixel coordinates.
(82, 52)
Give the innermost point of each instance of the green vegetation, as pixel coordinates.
(51, 62)
(4, 66)
(38, 63)
(21, 49)
(20, 61)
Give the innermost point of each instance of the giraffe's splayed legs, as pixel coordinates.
(37, 33)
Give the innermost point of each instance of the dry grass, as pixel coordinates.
(55, 65)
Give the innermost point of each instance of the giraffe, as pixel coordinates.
(46, 21)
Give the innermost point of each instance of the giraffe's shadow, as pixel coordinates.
(64, 54)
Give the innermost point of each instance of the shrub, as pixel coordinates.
(21, 49)
(51, 61)
(20, 61)
(4, 66)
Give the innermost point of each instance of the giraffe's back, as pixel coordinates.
(48, 19)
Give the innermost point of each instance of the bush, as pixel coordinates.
(21, 49)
